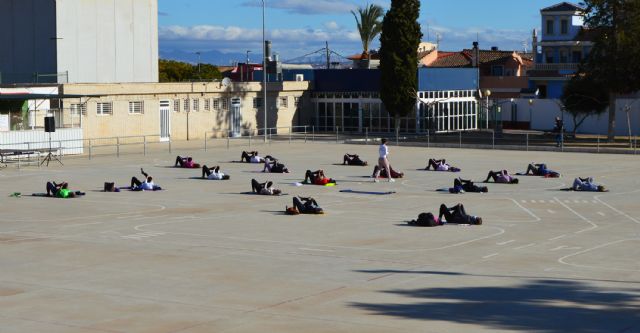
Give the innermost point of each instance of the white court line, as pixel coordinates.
(524, 246)
(537, 219)
(541, 201)
(80, 224)
(507, 242)
(617, 210)
(601, 214)
(551, 211)
(490, 255)
(556, 238)
(533, 201)
(593, 225)
(563, 259)
(315, 250)
(564, 247)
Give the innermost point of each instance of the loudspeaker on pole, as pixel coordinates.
(49, 124)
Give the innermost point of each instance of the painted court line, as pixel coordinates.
(490, 255)
(507, 242)
(601, 214)
(593, 225)
(564, 247)
(524, 246)
(550, 211)
(315, 250)
(556, 238)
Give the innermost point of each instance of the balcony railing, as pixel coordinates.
(557, 67)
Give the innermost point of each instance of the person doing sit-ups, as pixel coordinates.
(317, 178)
(501, 177)
(264, 188)
(541, 170)
(307, 205)
(146, 185)
(382, 173)
(354, 159)
(186, 162)
(457, 215)
(61, 190)
(251, 157)
(587, 185)
(272, 165)
(213, 173)
(462, 185)
(440, 165)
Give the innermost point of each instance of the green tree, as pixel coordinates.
(177, 71)
(368, 20)
(399, 43)
(584, 97)
(614, 60)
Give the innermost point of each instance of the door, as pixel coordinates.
(165, 121)
(235, 129)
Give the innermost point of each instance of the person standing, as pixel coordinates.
(383, 161)
(559, 129)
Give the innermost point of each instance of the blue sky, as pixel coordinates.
(301, 26)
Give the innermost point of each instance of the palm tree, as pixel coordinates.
(369, 24)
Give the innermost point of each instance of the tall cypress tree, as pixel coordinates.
(615, 57)
(399, 43)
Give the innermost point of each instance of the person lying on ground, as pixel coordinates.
(541, 170)
(457, 215)
(501, 177)
(306, 206)
(252, 157)
(587, 185)
(264, 188)
(146, 185)
(186, 162)
(317, 178)
(61, 190)
(350, 159)
(383, 173)
(461, 185)
(213, 173)
(426, 220)
(440, 165)
(272, 165)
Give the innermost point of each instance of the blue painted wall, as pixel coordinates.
(346, 80)
(555, 88)
(436, 79)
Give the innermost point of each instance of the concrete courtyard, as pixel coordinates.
(203, 256)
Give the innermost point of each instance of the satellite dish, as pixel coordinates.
(226, 82)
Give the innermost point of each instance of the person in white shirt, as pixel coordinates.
(213, 173)
(252, 157)
(264, 188)
(146, 185)
(383, 161)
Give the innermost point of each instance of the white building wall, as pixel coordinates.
(544, 111)
(103, 41)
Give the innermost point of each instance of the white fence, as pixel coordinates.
(67, 140)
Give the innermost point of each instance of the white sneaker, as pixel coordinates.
(391, 180)
(375, 180)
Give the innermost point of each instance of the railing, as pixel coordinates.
(253, 135)
(556, 67)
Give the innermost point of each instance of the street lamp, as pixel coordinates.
(264, 67)
(199, 53)
(530, 114)
(487, 93)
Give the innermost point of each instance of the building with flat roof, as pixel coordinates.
(78, 41)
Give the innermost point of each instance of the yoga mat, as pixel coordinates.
(368, 192)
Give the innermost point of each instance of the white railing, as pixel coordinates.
(556, 67)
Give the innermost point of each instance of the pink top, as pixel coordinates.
(188, 164)
(504, 177)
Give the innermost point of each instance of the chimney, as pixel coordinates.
(476, 55)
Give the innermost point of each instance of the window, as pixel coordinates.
(104, 108)
(257, 102)
(563, 57)
(564, 27)
(549, 57)
(497, 70)
(216, 104)
(136, 107)
(549, 27)
(196, 105)
(225, 104)
(176, 105)
(207, 104)
(78, 109)
(186, 105)
(283, 102)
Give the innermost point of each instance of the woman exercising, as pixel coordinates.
(541, 170)
(383, 173)
(440, 165)
(457, 215)
(213, 173)
(186, 162)
(461, 185)
(272, 165)
(501, 177)
(317, 178)
(587, 185)
(264, 188)
(307, 205)
(350, 159)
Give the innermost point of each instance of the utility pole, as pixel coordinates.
(328, 56)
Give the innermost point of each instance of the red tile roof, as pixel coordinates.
(464, 58)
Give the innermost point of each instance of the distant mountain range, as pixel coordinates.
(208, 57)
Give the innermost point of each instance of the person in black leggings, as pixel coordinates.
(467, 186)
(349, 159)
(306, 205)
(457, 215)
